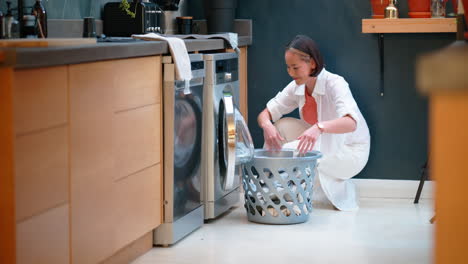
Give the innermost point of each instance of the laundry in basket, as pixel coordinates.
(278, 186)
(244, 144)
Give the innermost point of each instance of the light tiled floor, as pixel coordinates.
(382, 231)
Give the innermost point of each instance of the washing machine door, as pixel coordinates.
(187, 149)
(227, 140)
(186, 133)
(244, 143)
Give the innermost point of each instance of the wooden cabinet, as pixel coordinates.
(81, 161)
(115, 141)
(41, 140)
(443, 76)
(448, 153)
(41, 164)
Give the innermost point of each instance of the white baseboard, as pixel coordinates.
(403, 189)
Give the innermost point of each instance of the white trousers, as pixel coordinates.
(334, 170)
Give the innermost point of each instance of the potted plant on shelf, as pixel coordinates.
(378, 8)
(419, 8)
(125, 6)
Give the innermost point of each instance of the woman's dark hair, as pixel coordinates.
(306, 45)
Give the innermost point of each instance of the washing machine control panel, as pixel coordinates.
(198, 69)
(197, 65)
(227, 71)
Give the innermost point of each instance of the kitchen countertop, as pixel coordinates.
(445, 70)
(21, 58)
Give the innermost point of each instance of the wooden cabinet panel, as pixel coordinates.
(41, 171)
(91, 162)
(134, 82)
(243, 83)
(87, 148)
(132, 251)
(44, 238)
(137, 205)
(7, 170)
(448, 126)
(115, 145)
(137, 140)
(40, 98)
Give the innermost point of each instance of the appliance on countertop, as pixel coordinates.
(171, 10)
(183, 115)
(117, 23)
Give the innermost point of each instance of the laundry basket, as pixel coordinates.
(278, 186)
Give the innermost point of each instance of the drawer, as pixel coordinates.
(44, 238)
(137, 135)
(41, 171)
(40, 98)
(138, 204)
(135, 88)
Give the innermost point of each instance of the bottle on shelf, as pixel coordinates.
(12, 27)
(2, 24)
(30, 28)
(39, 12)
(391, 10)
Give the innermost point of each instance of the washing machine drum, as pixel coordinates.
(187, 135)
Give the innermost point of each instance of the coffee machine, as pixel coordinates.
(171, 10)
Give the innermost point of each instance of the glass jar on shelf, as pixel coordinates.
(438, 8)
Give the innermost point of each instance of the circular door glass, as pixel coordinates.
(185, 133)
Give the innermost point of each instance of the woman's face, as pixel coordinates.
(298, 69)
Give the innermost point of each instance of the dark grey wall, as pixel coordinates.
(397, 122)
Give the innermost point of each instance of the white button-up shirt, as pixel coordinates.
(334, 100)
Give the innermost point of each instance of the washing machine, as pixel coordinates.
(220, 182)
(183, 114)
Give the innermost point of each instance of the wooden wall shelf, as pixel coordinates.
(409, 25)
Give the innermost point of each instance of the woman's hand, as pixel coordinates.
(308, 139)
(272, 137)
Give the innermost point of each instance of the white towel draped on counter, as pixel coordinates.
(179, 54)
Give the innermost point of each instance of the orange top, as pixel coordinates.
(309, 110)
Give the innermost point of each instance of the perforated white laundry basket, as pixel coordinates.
(278, 186)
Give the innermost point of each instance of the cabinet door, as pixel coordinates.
(115, 144)
(41, 165)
